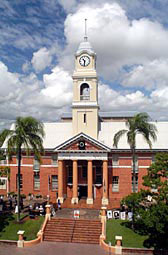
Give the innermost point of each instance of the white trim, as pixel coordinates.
(79, 136)
(85, 103)
(143, 166)
(127, 167)
(30, 165)
(82, 156)
(125, 157)
(139, 157)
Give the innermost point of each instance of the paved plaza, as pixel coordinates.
(49, 248)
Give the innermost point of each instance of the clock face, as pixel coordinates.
(84, 61)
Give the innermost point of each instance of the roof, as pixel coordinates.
(109, 129)
(80, 136)
(59, 132)
(85, 46)
(122, 114)
(56, 133)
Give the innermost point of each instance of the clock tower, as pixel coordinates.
(85, 91)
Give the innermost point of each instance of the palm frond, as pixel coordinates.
(5, 134)
(117, 137)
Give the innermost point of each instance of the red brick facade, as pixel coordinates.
(122, 169)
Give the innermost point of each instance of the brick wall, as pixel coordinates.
(123, 170)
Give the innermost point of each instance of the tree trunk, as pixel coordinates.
(134, 182)
(134, 168)
(18, 184)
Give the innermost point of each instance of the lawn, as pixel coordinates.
(119, 228)
(9, 227)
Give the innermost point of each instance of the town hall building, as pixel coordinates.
(80, 162)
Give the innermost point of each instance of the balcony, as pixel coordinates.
(84, 97)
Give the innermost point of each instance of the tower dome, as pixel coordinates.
(85, 46)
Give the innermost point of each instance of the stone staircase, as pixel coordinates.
(71, 230)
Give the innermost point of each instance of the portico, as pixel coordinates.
(76, 158)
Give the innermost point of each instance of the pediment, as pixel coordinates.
(82, 142)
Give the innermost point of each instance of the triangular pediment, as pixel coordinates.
(82, 142)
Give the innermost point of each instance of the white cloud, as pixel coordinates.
(26, 67)
(117, 40)
(68, 5)
(8, 82)
(58, 87)
(150, 75)
(132, 52)
(41, 59)
(118, 101)
(23, 95)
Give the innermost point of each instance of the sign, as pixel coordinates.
(116, 214)
(149, 198)
(109, 215)
(16, 209)
(76, 214)
(130, 216)
(122, 215)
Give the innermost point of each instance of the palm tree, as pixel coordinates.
(139, 124)
(26, 135)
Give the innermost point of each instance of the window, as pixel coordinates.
(21, 181)
(81, 145)
(36, 166)
(115, 183)
(136, 164)
(84, 92)
(54, 181)
(98, 175)
(70, 174)
(84, 171)
(36, 181)
(3, 183)
(115, 160)
(55, 159)
(136, 182)
(84, 118)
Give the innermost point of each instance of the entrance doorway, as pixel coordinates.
(82, 192)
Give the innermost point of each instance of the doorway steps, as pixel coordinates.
(97, 204)
(74, 231)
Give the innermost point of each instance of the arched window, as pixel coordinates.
(85, 92)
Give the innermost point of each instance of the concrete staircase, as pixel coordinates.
(75, 231)
(87, 231)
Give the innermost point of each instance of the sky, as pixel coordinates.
(38, 40)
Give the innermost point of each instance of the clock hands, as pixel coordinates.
(84, 61)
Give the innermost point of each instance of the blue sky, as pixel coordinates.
(37, 45)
